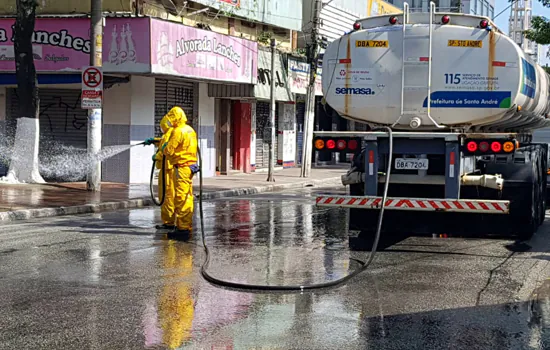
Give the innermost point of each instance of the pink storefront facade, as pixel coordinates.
(150, 65)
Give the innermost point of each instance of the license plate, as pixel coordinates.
(411, 164)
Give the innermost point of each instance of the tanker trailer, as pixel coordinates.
(462, 101)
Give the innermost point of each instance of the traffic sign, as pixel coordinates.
(92, 88)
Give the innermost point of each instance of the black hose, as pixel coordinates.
(163, 174)
(295, 288)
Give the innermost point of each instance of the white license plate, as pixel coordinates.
(411, 164)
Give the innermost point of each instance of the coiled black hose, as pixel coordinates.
(161, 176)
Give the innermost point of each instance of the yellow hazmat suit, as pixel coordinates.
(181, 151)
(167, 208)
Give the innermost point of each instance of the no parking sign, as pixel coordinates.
(92, 88)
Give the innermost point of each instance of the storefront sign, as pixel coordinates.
(298, 77)
(191, 52)
(262, 90)
(63, 45)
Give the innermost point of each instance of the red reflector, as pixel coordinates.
(345, 60)
(496, 146)
(352, 144)
(499, 64)
(341, 144)
(484, 146)
(472, 146)
(371, 157)
(452, 158)
(331, 144)
(424, 59)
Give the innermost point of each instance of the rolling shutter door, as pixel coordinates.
(262, 139)
(300, 118)
(61, 118)
(170, 93)
(262, 115)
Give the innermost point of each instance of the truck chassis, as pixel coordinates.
(459, 190)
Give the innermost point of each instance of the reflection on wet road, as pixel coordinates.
(109, 282)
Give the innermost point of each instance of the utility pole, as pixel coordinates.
(270, 177)
(93, 181)
(310, 98)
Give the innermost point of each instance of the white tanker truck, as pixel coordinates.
(462, 100)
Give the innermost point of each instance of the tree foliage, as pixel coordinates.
(540, 32)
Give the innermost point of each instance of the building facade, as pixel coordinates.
(156, 57)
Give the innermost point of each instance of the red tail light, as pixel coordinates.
(484, 24)
(331, 144)
(393, 20)
(356, 26)
(445, 19)
(488, 146)
(352, 145)
(342, 144)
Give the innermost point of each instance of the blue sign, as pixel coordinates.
(354, 91)
(470, 99)
(528, 79)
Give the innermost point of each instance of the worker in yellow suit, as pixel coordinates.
(181, 152)
(167, 207)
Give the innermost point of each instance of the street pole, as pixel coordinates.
(270, 177)
(93, 180)
(310, 97)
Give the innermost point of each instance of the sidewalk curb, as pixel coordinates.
(26, 214)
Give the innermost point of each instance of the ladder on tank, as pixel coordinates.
(410, 64)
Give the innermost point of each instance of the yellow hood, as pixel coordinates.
(176, 116)
(165, 124)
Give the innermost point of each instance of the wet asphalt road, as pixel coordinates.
(109, 281)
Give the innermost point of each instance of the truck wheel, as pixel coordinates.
(528, 220)
(542, 195)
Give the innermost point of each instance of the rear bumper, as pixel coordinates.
(416, 204)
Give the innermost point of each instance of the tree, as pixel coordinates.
(540, 30)
(24, 160)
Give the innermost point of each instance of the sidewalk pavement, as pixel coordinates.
(24, 201)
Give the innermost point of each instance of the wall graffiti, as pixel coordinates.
(72, 113)
(264, 77)
(59, 112)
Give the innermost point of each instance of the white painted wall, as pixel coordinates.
(143, 100)
(116, 105)
(207, 131)
(142, 120)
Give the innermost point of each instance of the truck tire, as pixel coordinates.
(542, 185)
(528, 220)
